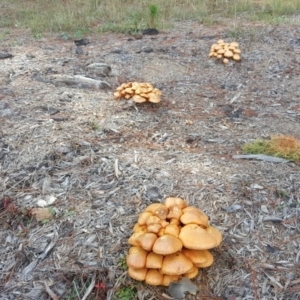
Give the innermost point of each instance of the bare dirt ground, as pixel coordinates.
(100, 162)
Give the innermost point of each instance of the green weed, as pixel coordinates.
(70, 213)
(153, 13)
(94, 126)
(127, 293)
(122, 263)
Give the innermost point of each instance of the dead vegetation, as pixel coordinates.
(97, 163)
(287, 147)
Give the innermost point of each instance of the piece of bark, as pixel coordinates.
(81, 81)
(261, 157)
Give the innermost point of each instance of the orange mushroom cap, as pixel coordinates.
(167, 279)
(172, 230)
(213, 231)
(192, 274)
(154, 260)
(174, 222)
(137, 274)
(154, 227)
(176, 264)
(171, 201)
(152, 220)
(136, 257)
(164, 223)
(139, 228)
(143, 217)
(154, 277)
(153, 207)
(167, 244)
(195, 237)
(193, 215)
(197, 256)
(208, 262)
(146, 240)
(175, 212)
(133, 239)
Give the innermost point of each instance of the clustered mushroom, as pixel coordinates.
(170, 241)
(139, 92)
(225, 51)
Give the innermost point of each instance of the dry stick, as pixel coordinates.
(49, 291)
(254, 280)
(288, 240)
(7, 279)
(28, 176)
(90, 288)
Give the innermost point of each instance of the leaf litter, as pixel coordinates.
(103, 160)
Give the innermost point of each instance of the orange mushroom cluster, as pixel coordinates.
(225, 51)
(170, 241)
(139, 92)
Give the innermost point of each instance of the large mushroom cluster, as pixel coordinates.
(225, 51)
(139, 92)
(170, 241)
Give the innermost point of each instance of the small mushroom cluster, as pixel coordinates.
(225, 51)
(139, 92)
(170, 241)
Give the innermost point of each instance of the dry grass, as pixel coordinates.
(287, 147)
(79, 16)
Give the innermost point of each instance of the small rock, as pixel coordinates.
(59, 118)
(118, 51)
(81, 42)
(225, 110)
(63, 149)
(78, 50)
(237, 113)
(100, 69)
(272, 249)
(52, 111)
(178, 289)
(147, 50)
(264, 209)
(150, 31)
(4, 55)
(47, 201)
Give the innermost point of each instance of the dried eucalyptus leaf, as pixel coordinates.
(256, 186)
(153, 193)
(232, 208)
(29, 268)
(272, 219)
(178, 289)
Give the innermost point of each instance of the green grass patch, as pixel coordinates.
(282, 146)
(72, 16)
